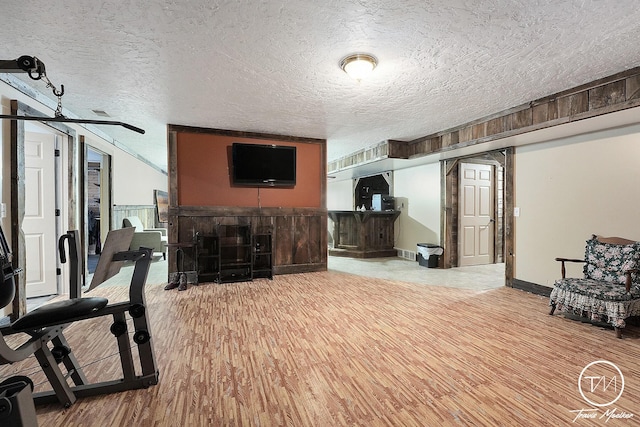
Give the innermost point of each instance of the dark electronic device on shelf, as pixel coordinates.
(388, 203)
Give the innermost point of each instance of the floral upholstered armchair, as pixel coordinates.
(610, 289)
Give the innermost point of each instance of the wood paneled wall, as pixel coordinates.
(146, 213)
(607, 95)
(296, 217)
(299, 235)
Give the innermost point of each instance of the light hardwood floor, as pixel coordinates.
(334, 349)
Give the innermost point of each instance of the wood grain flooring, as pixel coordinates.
(333, 349)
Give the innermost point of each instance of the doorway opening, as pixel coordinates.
(97, 203)
(63, 212)
(495, 221)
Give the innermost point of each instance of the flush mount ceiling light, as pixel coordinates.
(358, 65)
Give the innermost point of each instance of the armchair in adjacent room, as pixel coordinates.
(154, 238)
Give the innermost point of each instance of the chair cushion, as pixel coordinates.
(133, 221)
(58, 313)
(605, 291)
(607, 262)
(587, 298)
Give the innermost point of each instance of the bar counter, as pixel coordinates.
(363, 234)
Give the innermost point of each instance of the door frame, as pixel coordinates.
(503, 232)
(70, 215)
(106, 211)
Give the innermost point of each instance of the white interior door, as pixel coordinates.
(476, 211)
(39, 224)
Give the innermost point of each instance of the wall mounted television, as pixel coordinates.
(262, 165)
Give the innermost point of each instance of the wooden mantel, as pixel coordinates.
(363, 234)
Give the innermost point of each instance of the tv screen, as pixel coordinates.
(263, 165)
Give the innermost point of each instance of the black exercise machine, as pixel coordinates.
(45, 324)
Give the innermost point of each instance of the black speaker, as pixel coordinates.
(388, 203)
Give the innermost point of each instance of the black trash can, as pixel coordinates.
(429, 254)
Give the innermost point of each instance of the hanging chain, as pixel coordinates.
(57, 93)
(36, 70)
(58, 112)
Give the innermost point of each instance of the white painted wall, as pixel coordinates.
(417, 193)
(339, 198)
(133, 180)
(340, 195)
(569, 189)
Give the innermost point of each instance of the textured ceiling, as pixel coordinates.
(266, 66)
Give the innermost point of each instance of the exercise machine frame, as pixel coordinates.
(50, 358)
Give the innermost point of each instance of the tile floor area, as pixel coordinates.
(481, 277)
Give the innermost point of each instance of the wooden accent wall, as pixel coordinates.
(607, 95)
(146, 213)
(613, 93)
(449, 225)
(201, 196)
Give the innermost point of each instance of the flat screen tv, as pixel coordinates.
(263, 165)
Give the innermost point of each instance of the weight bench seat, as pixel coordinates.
(58, 313)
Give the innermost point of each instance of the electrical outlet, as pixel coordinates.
(3, 210)
(516, 211)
